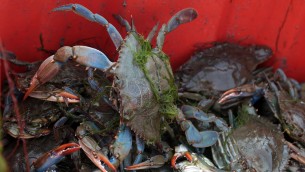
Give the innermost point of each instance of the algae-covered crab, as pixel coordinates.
(143, 84)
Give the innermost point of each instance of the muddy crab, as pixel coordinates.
(143, 88)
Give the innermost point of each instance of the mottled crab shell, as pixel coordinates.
(144, 85)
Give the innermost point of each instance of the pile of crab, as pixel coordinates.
(218, 113)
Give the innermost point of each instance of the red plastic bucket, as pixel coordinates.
(26, 25)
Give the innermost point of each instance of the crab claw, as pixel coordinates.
(82, 55)
(54, 156)
(236, 95)
(154, 162)
(58, 95)
(94, 155)
(47, 70)
(181, 151)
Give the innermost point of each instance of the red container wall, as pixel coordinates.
(279, 24)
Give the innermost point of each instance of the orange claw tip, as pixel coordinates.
(47, 70)
(143, 165)
(188, 156)
(106, 161)
(68, 95)
(33, 86)
(154, 162)
(176, 156)
(67, 149)
(174, 159)
(96, 157)
(132, 167)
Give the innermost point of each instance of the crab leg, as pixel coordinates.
(293, 91)
(152, 33)
(193, 136)
(181, 17)
(123, 22)
(140, 148)
(54, 156)
(122, 145)
(11, 57)
(184, 16)
(192, 112)
(86, 13)
(83, 55)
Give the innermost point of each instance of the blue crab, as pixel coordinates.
(143, 88)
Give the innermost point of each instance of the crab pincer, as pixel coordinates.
(181, 151)
(236, 95)
(82, 55)
(91, 147)
(58, 95)
(54, 156)
(47, 70)
(87, 144)
(154, 162)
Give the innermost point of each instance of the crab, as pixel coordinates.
(39, 150)
(143, 88)
(37, 114)
(257, 145)
(193, 162)
(214, 70)
(57, 90)
(286, 108)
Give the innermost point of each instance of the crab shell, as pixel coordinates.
(222, 67)
(144, 84)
